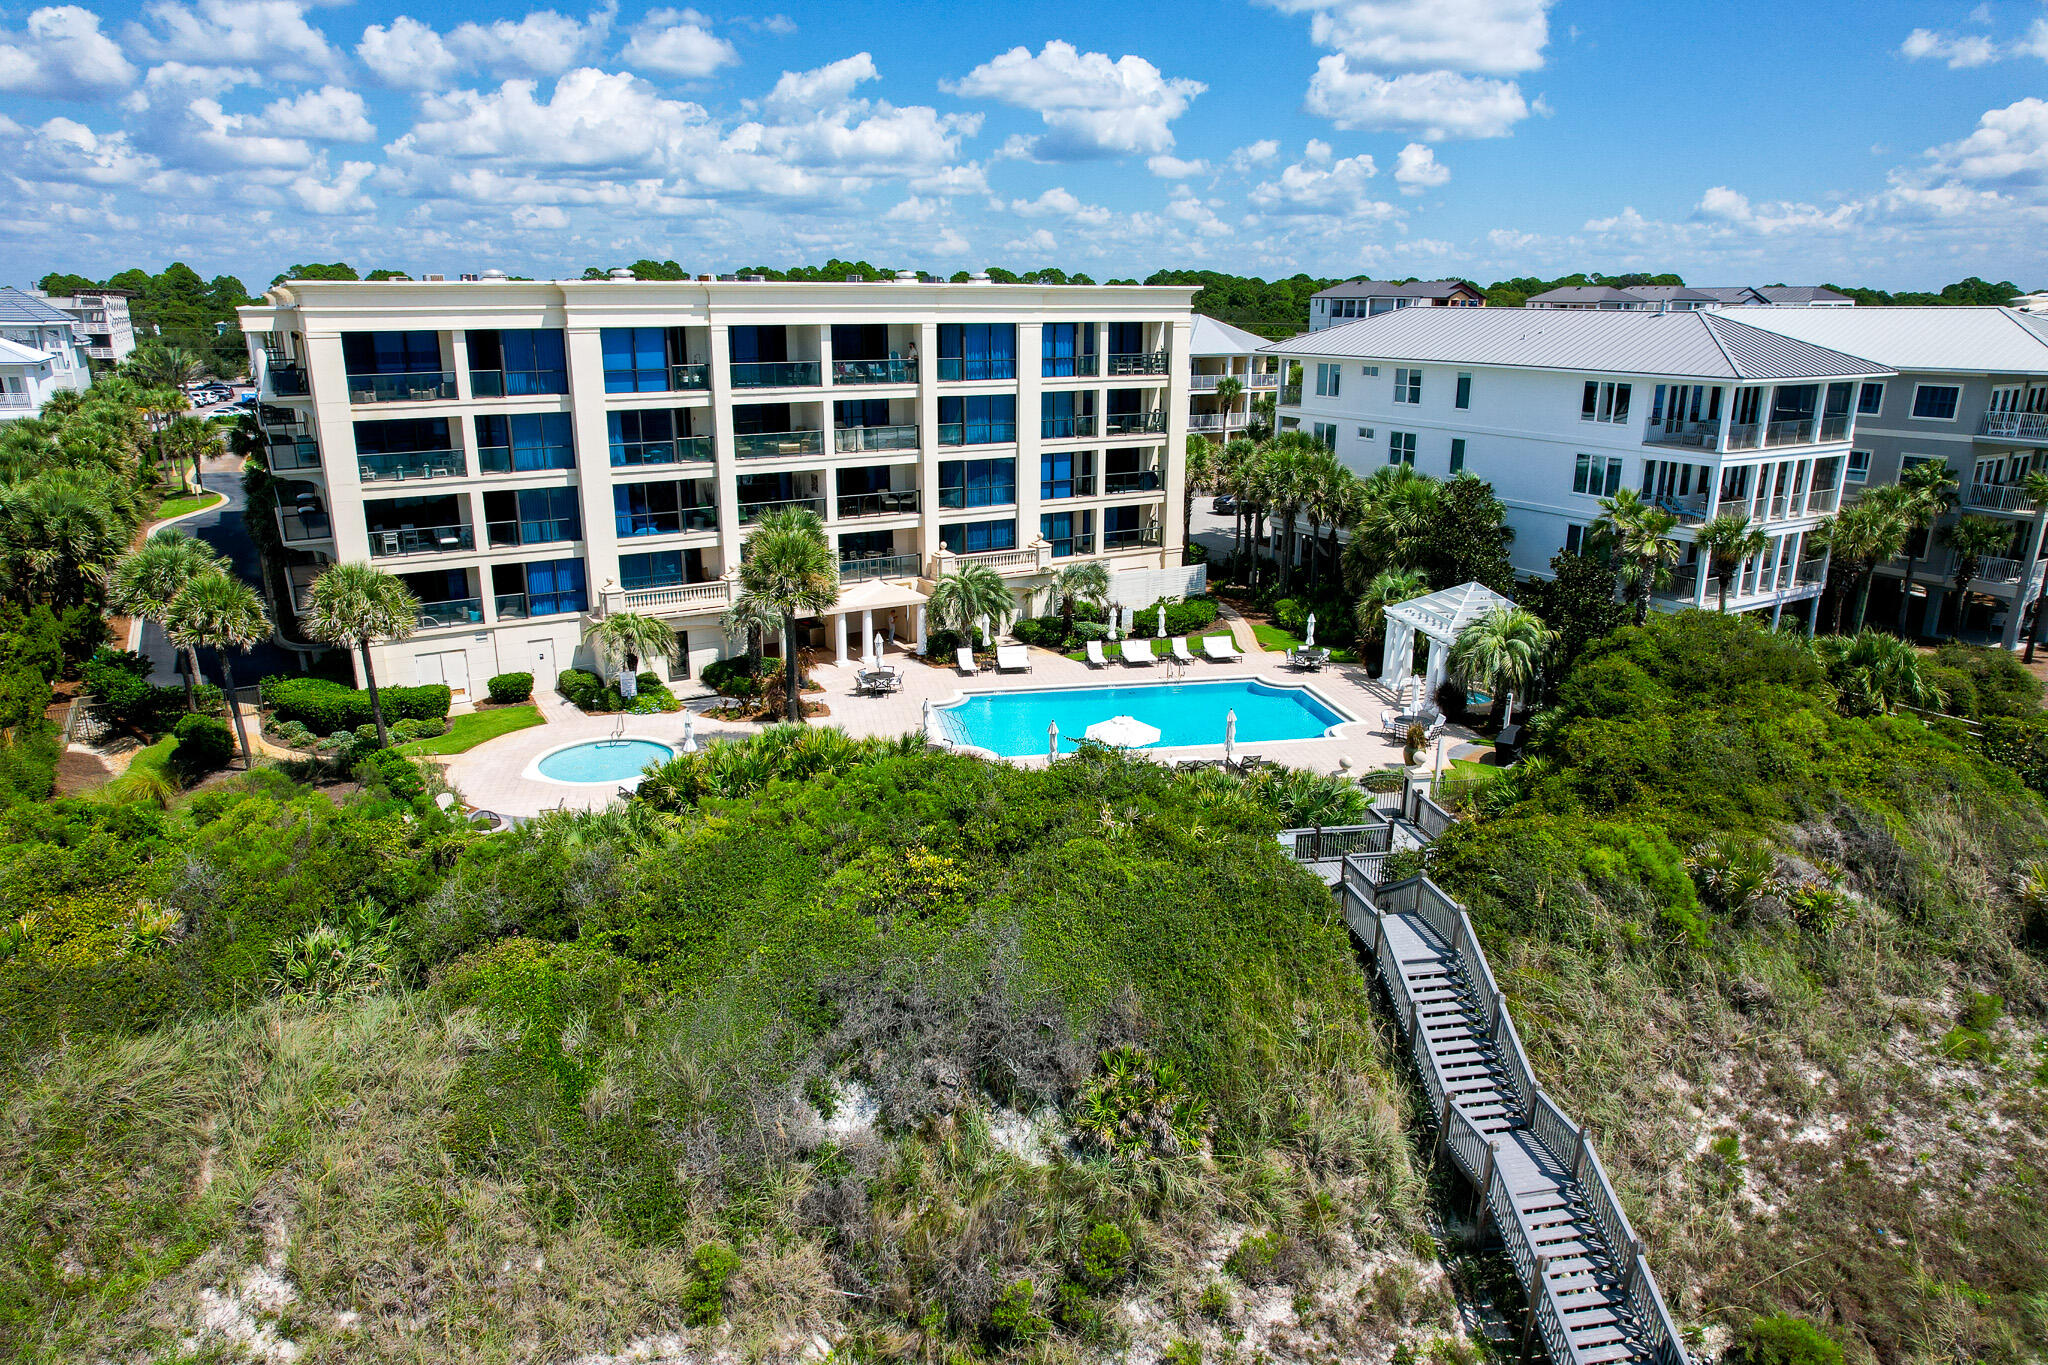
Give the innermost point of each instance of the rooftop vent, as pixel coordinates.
(856, 279)
(468, 278)
(978, 277)
(906, 277)
(621, 272)
(755, 279)
(703, 277)
(728, 279)
(434, 279)
(494, 274)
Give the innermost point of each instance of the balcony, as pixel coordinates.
(1067, 547)
(1821, 501)
(1692, 435)
(297, 453)
(1022, 561)
(1066, 428)
(512, 606)
(684, 377)
(411, 465)
(854, 440)
(1999, 497)
(401, 388)
(1134, 423)
(420, 540)
(1216, 421)
(463, 611)
(682, 450)
(1265, 381)
(1291, 396)
(517, 383)
(895, 502)
(1799, 432)
(953, 367)
(1812, 572)
(10, 399)
(1996, 569)
(775, 374)
(1131, 481)
(1205, 383)
(1683, 587)
(296, 527)
(751, 512)
(680, 522)
(501, 459)
(1056, 490)
(503, 535)
(1067, 367)
(977, 433)
(1136, 537)
(675, 599)
(286, 381)
(874, 372)
(771, 445)
(880, 566)
(2014, 426)
(1834, 428)
(1137, 362)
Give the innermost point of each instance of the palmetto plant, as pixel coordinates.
(1396, 507)
(60, 530)
(1874, 528)
(1875, 672)
(1728, 539)
(1198, 473)
(191, 439)
(625, 638)
(355, 605)
(1136, 1106)
(332, 962)
(1638, 535)
(145, 582)
(1971, 540)
(1387, 588)
(1928, 491)
(748, 620)
(1082, 584)
(1501, 651)
(791, 571)
(160, 366)
(970, 594)
(224, 613)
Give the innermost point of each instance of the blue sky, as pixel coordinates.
(1898, 145)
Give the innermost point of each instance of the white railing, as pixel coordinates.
(1999, 497)
(683, 599)
(2017, 426)
(1004, 559)
(1215, 421)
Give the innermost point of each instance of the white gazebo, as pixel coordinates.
(1439, 616)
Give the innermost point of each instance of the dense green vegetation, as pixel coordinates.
(178, 308)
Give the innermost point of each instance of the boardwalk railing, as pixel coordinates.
(1573, 1250)
(1327, 844)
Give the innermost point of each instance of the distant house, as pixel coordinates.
(1215, 350)
(103, 313)
(1684, 298)
(2031, 303)
(1342, 303)
(42, 350)
(1591, 298)
(1803, 296)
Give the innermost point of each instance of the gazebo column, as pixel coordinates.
(839, 635)
(1439, 668)
(1399, 653)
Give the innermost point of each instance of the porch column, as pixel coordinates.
(1399, 651)
(920, 630)
(1439, 668)
(839, 635)
(867, 632)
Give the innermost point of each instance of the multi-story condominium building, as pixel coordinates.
(1673, 298)
(1341, 303)
(1218, 351)
(529, 455)
(1971, 390)
(1697, 411)
(103, 314)
(42, 351)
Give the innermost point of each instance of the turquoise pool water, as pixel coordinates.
(1013, 724)
(604, 760)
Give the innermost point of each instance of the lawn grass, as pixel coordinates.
(466, 732)
(1280, 639)
(178, 507)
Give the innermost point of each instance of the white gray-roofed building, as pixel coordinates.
(103, 315)
(1559, 409)
(1342, 303)
(1589, 298)
(1650, 297)
(44, 352)
(1802, 296)
(1217, 350)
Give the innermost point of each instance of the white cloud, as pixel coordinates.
(1186, 209)
(2035, 44)
(2008, 147)
(171, 84)
(678, 43)
(1173, 168)
(1499, 37)
(1091, 106)
(1059, 202)
(407, 56)
(914, 210)
(1254, 154)
(544, 43)
(1318, 151)
(828, 86)
(1437, 104)
(329, 114)
(1958, 50)
(1417, 169)
(332, 194)
(208, 134)
(1340, 189)
(540, 218)
(592, 120)
(64, 149)
(61, 53)
(272, 35)
(1041, 243)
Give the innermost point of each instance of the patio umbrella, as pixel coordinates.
(1162, 623)
(878, 646)
(1052, 740)
(1123, 732)
(1308, 641)
(689, 734)
(927, 717)
(1229, 734)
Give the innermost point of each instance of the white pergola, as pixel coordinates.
(1439, 616)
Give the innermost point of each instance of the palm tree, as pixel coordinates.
(1232, 472)
(2035, 486)
(61, 529)
(1388, 587)
(790, 571)
(354, 605)
(1084, 583)
(1290, 482)
(157, 365)
(190, 438)
(1198, 475)
(1875, 672)
(145, 583)
(1930, 491)
(1228, 390)
(1639, 536)
(1501, 651)
(624, 638)
(1729, 538)
(1970, 541)
(1873, 528)
(1396, 506)
(1344, 504)
(971, 593)
(747, 619)
(220, 611)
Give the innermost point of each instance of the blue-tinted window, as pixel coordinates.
(1061, 343)
(977, 483)
(548, 514)
(973, 537)
(391, 352)
(983, 419)
(536, 440)
(1056, 476)
(535, 362)
(555, 586)
(977, 350)
(1069, 533)
(635, 359)
(409, 434)
(661, 569)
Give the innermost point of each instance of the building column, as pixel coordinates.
(920, 630)
(839, 635)
(1397, 653)
(867, 631)
(1439, 668)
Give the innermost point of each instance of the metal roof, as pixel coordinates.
(1801, 293)
(20, 309)
(1584, 293)
(1387, 289)
(1729, 293)
(1210, 337)
(1675, 293)
(1963, 340)
(1692, 344)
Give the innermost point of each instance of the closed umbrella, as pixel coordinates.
(1123, 732)
(927, 717)
(1309, 641)
(1052, 740)
(1229, 734)
(689, 734)
(1162, 623)
(878, 646)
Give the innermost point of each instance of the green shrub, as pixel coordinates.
(943, 644)
(1382, 780)
(324, 706)
(37, 642)
(1256, 1259)
(711, 1265)
(1215, 1300)
(581, 687)
(1014, 1316)
(1184, 616)
(507, 688)
(293, 735)
(1047, 632)
(388, 771)
(1782, 1339)
(204, 745)
(1182, 1352)
(81, 633)
(1402, 864)
(118, 681)
(24, 695)
(406, 731)
(1105, 1254)
(1084, 631)
(735, 677)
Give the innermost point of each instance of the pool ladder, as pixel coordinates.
(619, 730)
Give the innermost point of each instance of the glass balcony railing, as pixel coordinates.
(874, 371)
(879, 566)
(405, 466)
(681, 521)
(401, 388)
(420, 540)
(517, 383)
(769, 445)
(1290, 396)
(1065, 428)
(296, 526)
(980, 495)
(1134, 423)
(1797, 432)
(287, 381)
(1131, 539)
(1066, 547)
(888, 504)
(953, 367)
(853, 440)
(1080, 486)
(1138, 362)
(751, 512)
(463, 611)
(774, 374)
(1834, 428)
(534, 531)
(300, 453)
(1067, 366)
(512, 606)
(524, 459)
(977, 433)
(682, 450)
(689, 377)
(1745, 436)
(1131, 481)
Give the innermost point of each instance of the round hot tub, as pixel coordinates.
(602, 760)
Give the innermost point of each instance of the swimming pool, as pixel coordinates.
(1013, 724)
(602, 760)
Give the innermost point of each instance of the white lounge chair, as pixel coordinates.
(1221, 649)
(964, 658)
(1012, 656)
(1180, 650)
(1139, 652)
(1095, 657)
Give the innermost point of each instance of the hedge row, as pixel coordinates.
(324, 707)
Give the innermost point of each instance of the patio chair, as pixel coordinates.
(1139, 652)
(1012, 657)
(964, 659)
(1221, 649)
(1180, 651)
(1095, 657)
(1436, 727)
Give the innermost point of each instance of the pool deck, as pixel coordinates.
(494, 775)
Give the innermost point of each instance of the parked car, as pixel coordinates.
(1224, 505)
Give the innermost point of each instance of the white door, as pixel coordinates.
(450, 668)
(541, 663)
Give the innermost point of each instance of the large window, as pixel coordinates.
(1870, 397)
(647, 436)
(1407, 386)
(1597, 476)
(977, 537)
(1069, 533)
(984, 419)
(525, 441)
(1067, 349)
(548, 588)
(661, 569)
(977, 483)
(1401, 447)
(512, 364)
(1066, 413)
(977, 350)
(1065, 475)
(1935, 402)
(1604, 402)
(636, 360)
(366, 353)
(659, 509)
(1457, 454)
(1326, 380)
(1859, 467)
(1325, 434)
